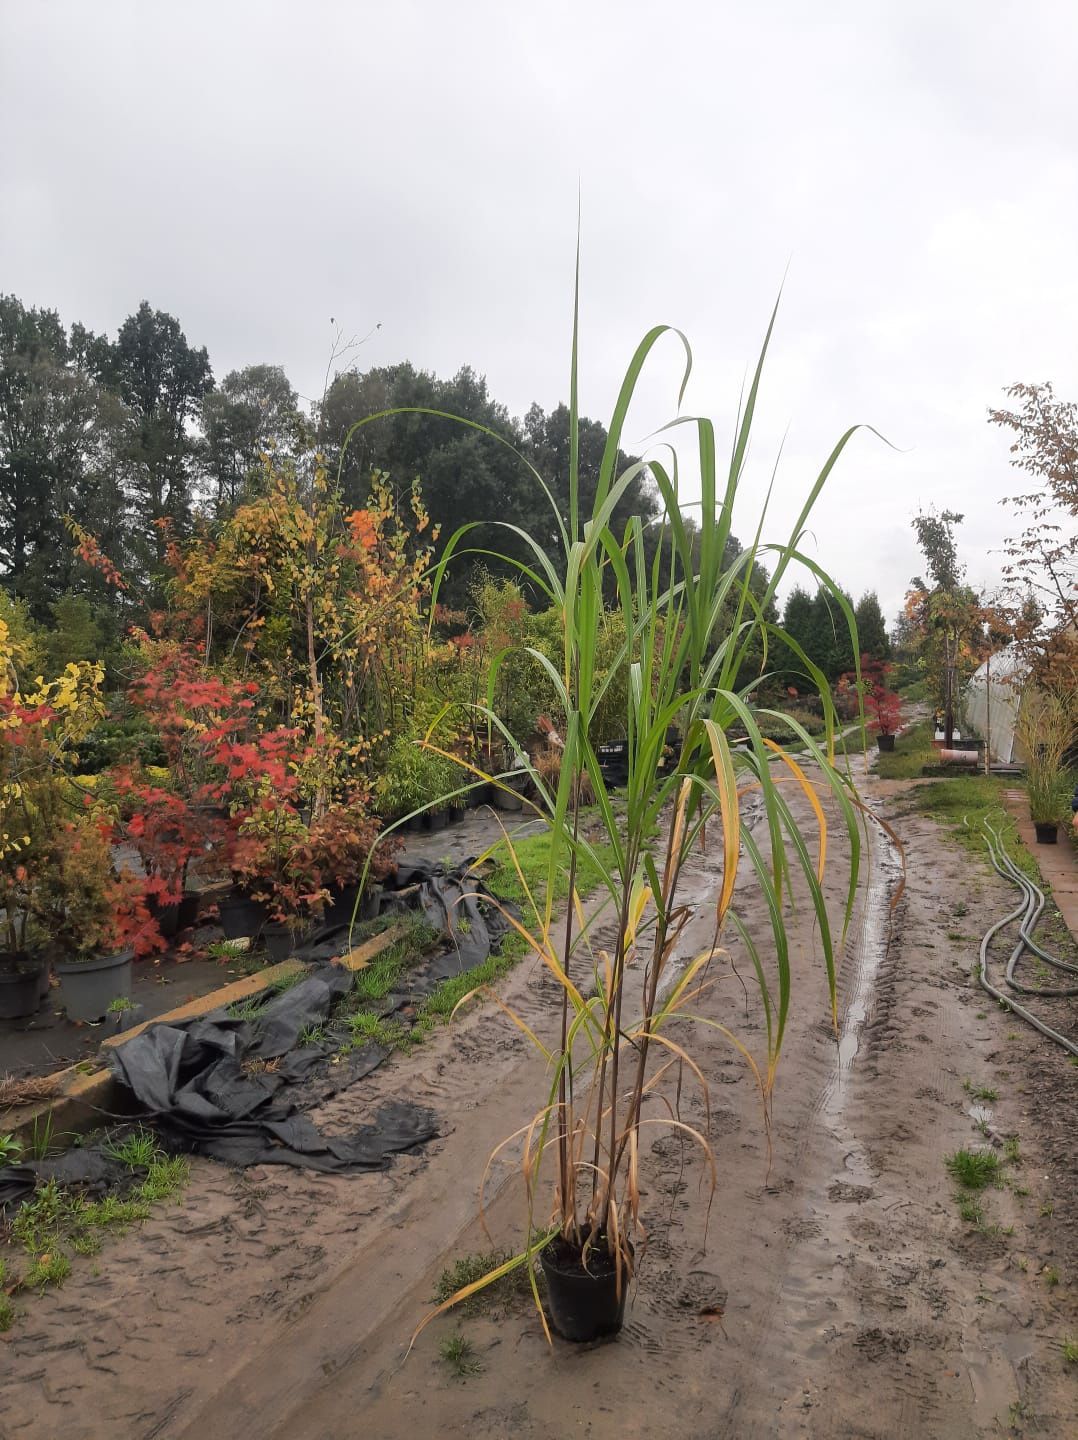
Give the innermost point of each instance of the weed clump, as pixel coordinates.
(973, 1169)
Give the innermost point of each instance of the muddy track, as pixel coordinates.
(835, 1293)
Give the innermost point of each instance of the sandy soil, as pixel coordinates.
(835, 1293)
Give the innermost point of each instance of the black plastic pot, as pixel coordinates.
(437, 819)
(241, 916)
(342, 905)
(188, 909)
(88, 987)
(584, 1304)
(886, 743)
(416, 822)
(282, 940)
(1047, 832)
(167, 916)
(21, 977)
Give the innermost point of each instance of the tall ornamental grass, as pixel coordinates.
(690, 619)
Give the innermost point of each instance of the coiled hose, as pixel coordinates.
(1028, 912)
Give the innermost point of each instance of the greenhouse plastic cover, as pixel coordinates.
(991, 703)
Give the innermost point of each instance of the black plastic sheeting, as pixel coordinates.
(196, 1082)
(90, 1168)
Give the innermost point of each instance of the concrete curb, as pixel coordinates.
(84, 1100)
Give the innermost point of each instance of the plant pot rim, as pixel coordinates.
(79, 966)
(575, 1267)
(18, 962)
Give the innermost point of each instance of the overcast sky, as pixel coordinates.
(257, 166)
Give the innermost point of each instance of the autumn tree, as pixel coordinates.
(1042, 561)
(947, 614)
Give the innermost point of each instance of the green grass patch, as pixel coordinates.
(384, 972)
(470, 1269)
(56, 1223)
(973, 1169)
(913, 749)
(136, 1151)
(962, 803)
(533, 858)
(914, 690)
(47, 1271)
(367, 1027)
(458, 1355)
(971, 1210)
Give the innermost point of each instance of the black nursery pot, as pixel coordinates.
(241, 916)
(167, 916)
(584, 1304)
(187, 910)
(21, 984)
(1047, 832)
(886, 743)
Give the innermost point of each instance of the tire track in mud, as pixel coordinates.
(825, 1151)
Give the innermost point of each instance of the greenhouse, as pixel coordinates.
(991, 704)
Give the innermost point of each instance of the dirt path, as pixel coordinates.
(837, 1294)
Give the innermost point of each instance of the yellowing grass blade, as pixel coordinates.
(810, 793)
(726, 785)
(638, 903)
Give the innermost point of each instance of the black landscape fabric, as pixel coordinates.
(195, 1079)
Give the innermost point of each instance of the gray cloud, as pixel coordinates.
(258, 167)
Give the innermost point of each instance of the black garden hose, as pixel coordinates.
(1027, 912)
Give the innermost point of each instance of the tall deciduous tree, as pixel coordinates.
(949, 615)
(62, 439)
(163, 381)
(254, 411)
(1042, 561)
(1045, 556)
(467, 475)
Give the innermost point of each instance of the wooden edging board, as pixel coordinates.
(84, 1099)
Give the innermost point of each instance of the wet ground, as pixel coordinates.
(48, 1041)
(831, 1289)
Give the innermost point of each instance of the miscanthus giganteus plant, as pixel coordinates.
(691, 619)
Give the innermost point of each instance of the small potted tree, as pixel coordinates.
(168, 833)
(416, 784)
(334, 854)
(97, 920)
(580, 1156)
(269, 863)
(883, 708)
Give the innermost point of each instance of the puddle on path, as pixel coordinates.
(885, 867)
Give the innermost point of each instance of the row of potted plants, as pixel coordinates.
(96, 871)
